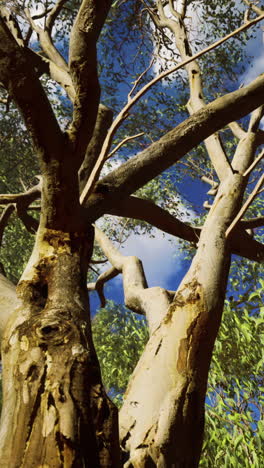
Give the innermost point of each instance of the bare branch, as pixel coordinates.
(100, 282)
(254, 164)
(124, 112)
(255, 119)
(83, 68)
(103, 122)
(25, 197)
(244, 208)
(237, 130)
(46, 43)
(253, 7)
(146, 165)
(123, 142)
(153, 302)
(54, 13)
(137, 208)
(20, 80)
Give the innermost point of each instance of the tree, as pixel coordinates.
(55, 409)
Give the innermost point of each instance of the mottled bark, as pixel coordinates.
(166, 429)
(55, 411)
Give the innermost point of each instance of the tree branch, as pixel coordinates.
(100, 282)
(237, 130)
(24, 198)
(159, 156)
(153, 302)
(20, 80)
(254, 164)
(45, 38)
(103, 122)
(124, 112)
(244, 208)
(145, 210)
(83, 68)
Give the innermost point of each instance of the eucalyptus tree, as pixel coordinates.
(55, 409)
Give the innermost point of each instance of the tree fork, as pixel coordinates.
(56, 412)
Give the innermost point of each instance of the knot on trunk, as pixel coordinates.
(55, 329)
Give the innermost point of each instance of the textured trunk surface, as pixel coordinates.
(55, 411)
(162, 418)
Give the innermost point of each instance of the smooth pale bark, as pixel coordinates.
(166, 429)
(55, 410)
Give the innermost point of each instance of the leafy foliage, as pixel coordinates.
(119, 337)
(234, 430)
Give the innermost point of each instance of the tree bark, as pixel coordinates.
(55, 410)
(166, 430)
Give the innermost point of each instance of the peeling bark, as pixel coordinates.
(55, 411)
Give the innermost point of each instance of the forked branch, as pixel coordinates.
(124, 112)
(244, 208)
(152, 302)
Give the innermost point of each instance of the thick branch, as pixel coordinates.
(25, 198)
(100, 282)
(213, 144)
(145, 210)
(83, 68)
(103, 122)
(46, 42)
(153, 302)
(159, 156)
(20, 80)
(124, 112)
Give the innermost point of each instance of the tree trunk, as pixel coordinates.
(162, 418)
(55, 410)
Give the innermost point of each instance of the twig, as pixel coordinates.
(124, 112)
(123, 142)
(253, 165)
(250, 199)
(138, 80)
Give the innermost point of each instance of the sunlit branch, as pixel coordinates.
(98, 286)
(255, 119)
(254, 164)
(25, 197)
(152, 302)
(136, 83)
(244, 208)
(46, 43)
(124, 112)
(237, 130)
(170, 148)
(254, 7)
(55, 11)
